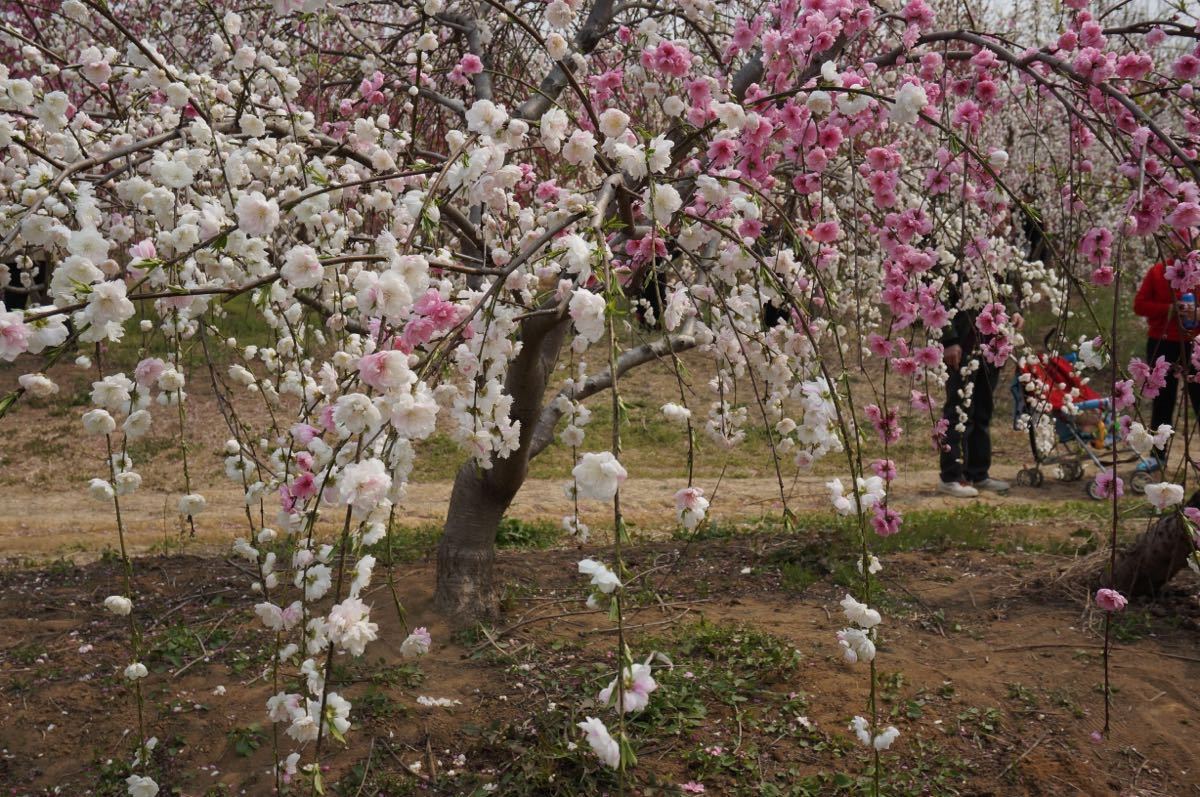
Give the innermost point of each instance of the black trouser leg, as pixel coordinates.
(978, 444)
(1162, 406)
(968, 454)
(951, 456)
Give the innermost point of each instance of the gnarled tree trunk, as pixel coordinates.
(467, 552)
(1146, 566)
(465, 589)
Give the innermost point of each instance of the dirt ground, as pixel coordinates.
(993, 684)
(990, 668)
(46, 462)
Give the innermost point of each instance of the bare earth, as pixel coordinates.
(45, 523)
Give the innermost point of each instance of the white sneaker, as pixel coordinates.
(994, 485)
(957, 489)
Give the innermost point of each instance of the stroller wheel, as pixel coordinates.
(1139, 480)
(1093, 490)
(1072, 472)
(1029, 477)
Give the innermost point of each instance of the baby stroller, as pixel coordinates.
(1069, 424)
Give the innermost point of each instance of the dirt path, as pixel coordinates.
(43, 524)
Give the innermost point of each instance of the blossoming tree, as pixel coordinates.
(432, 205)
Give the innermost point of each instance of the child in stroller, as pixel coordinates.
(1069, 424)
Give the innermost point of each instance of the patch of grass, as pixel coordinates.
(1025, 695)
(536, 534)
(245, 740)
(236, 318)
(1079, 543)
(710, 676)
(438, 457)
(831, 539)
(378, 704)
(821, 555)
(1131, 626)
(150, 446)
(180, 644)
(1063, 699)
(979, 722)
(378, 673)
(27, 654)
(407, 544)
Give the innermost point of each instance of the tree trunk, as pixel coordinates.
(1146, 566)
(466, 554)
(467, 551)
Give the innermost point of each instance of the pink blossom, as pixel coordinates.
(929, 356)
(669, 58)
(384, 370)
(721, 152)
(879, 345)
(14, 334)
(547, 191)
(1187, 67)
(1123, 394)
(1185, 215)
(885, 521)
(997, 351)
(938, 434)
(416, 332)
(1110, 600)
(1149, 381)
(884, 469)
(920, 401)
(303, 486)
(143, 250)
(991, 318)
(644, 249)
(146, 372)
(304, 433)
(750, 228)
(826, 232)
(690, 498)
(887, 426)
(471, 64)
(1096, 245)
(1107, 482)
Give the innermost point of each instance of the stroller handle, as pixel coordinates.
(1092, 404)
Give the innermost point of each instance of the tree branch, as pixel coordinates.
(553, 84)
(543, 435)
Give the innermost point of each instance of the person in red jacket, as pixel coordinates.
(1169, 338)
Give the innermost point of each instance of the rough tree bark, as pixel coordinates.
(1145, 567)
(467, 551)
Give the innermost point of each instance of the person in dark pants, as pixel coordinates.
(966, 456)
(1169, 338)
